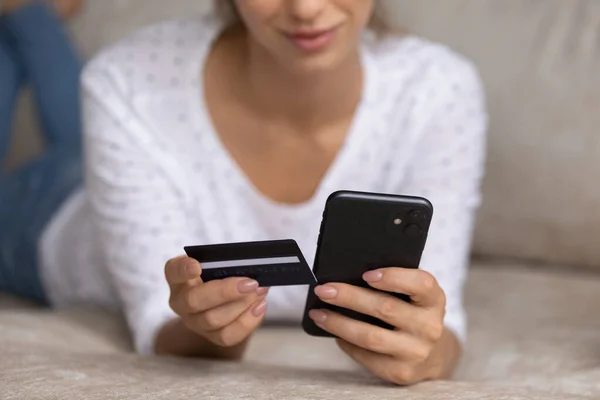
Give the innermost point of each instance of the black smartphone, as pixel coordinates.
(361, 232)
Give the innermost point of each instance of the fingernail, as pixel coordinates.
(261, 291)
(247, 286)
(372, 276)
(326, 292)
(259, 309)
(318, 316)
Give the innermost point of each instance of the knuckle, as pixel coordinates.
(245, 325)
(427, 279)
(226, 338)
(403, 375)
(434, 331)
(373, 339)
(211, 319)
(387, 308)
(421, 353)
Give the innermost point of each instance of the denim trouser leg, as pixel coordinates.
(41, 52)
(12, 75)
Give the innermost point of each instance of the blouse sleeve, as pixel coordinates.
(138, 213)
(446, 168)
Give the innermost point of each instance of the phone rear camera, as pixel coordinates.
(413, 231)
(418, 215)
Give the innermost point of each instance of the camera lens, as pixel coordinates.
(418, 215)
(413, 231)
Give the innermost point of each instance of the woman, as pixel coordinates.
(238, 128)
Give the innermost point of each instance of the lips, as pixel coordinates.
(312, 41)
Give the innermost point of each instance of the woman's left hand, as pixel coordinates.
(406, 355)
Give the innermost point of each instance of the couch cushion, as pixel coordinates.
(62, 376)
(532, 335)
(539, 61)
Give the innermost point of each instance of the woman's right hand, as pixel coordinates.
(224, 312)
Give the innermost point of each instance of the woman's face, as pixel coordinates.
(306, 35)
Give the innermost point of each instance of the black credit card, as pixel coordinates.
(270, 263)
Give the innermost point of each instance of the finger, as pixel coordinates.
(371, 337)
(221, 316)
(203, 297)
(241, 328)
(181, 269)
(421, 286)
(407, 317)
(383, 366)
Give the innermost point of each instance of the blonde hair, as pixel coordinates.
(379, 24)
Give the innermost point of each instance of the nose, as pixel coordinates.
(306, 10)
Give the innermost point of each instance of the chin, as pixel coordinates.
(314, 63)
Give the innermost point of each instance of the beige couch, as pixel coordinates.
(534, 292)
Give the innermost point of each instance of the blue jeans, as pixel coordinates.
(35, 50)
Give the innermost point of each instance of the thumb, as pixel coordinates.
(181, 270)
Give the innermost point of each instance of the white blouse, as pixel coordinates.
(158, 177)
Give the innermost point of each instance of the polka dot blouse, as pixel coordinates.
(158, 178)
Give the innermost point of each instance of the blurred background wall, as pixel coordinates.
(540, 62)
